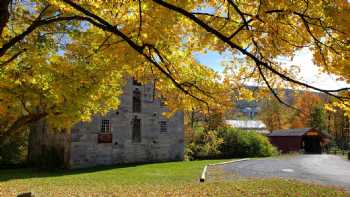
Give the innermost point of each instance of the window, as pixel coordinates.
(163, 126)
(135, 82)
(136, 130)
(105, 126)
(136, 101)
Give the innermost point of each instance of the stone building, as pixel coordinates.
(136, 132)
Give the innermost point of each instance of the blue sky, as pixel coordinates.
(211, 59)
(309, 72)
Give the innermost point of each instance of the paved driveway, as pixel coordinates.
(324, 169)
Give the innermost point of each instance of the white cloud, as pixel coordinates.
(309, 72)
(312, 75)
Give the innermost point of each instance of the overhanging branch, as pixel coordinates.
(240, 49)
(104, 25)
(36, 24)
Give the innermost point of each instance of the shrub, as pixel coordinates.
(210, 145)
(189, 153)
(239, 143)
(205, 144)
(228, 143)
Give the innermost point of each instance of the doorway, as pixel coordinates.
(312, 144)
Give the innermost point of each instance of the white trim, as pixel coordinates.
(204, 172)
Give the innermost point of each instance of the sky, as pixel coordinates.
(309, 72)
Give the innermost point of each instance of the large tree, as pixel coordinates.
(66, 60)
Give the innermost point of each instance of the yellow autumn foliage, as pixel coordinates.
(73, 57)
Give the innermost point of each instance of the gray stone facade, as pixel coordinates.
(154, 144)
(136, 132)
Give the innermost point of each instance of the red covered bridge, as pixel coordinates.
(309, 140)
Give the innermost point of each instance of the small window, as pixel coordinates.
(163, 126)
(136, 130)
(135, 82)
(105, 126)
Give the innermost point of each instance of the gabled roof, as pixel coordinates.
(290, 132)
(296, 132)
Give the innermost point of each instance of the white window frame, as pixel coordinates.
(105, 126)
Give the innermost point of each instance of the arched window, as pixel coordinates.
(136, 101)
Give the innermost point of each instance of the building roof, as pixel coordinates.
(290, 132)
(255, 125)
(295, 132)
(246, 124)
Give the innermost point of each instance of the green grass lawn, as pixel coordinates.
(161, 179)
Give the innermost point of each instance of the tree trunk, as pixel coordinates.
(4, 14)
(48, 147)
(19, 125)
(22, 122)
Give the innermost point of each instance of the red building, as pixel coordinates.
(308, 140)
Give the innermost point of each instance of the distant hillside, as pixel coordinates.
(249, 109)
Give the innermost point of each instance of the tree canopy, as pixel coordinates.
(67, 60)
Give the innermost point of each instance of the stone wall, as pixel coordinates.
(86, 151)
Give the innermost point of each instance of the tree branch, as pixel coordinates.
(240, 29)
(140, 20)
(4, 14)
(211, 15)
(241, 14)
(11, 58)
(104, 25)
(243, 51)
(21, 122)
(32, 27)
(273, 91)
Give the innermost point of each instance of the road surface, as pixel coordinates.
(323, 169)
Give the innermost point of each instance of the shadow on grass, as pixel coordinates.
(29, 172)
